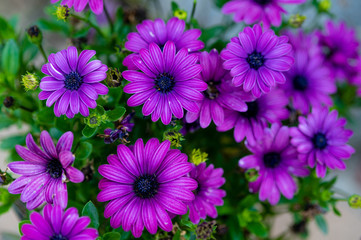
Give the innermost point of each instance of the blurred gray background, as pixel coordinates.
(346, 227)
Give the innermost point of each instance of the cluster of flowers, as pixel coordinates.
(246, 86)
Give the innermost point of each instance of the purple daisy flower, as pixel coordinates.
(95, 5)
(207, 195)
(167, 83)
(321, 140)
(269, 12)
(44, 172)
(340, 46)
(220, 93)
(257, 60)
(145, 184)
(159, 33)
(270, 107)
(276, 161)
(72, 83)
(308, 81)
(57, 224)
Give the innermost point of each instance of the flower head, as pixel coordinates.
(269, 12)
(321, 140)
(340, 46)
(159, 32)
(270, 107)
(207, 195)
(62, 13)
(44, 172)
(30, 81)
(167, 83)
(276, 161)
(95, 5)
(57, 224)
(308, 81)
(220, 93)
(145, 184)
(72, 83)
(257, 60)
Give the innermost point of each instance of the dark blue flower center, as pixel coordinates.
(300, 83)
(164, 83)
(319, 140)
(58, 237)
(146, 186)
(262, 2)
(272, 159)
(54, 168)
(252, 110)
(212, 90)
(73, 81)
(255, 60)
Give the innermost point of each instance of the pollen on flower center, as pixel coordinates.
(262, 2)
(319, 140)
(58, 237)
(252, 110)
(300, 83)
(212, 91)
(54, 168)
(146, 186)
(255, 60)
(272, 159)
(164, 83)
(73, 81)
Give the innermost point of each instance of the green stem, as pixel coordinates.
(192, 14)
(109, 19)
(90, 24)
(41, 48)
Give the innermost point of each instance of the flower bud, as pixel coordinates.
(62, 12)
(251, 175)
(34, 35)
(181, 14)
(174, 137)
(324, 5)
(114, 77)
(95, 120)
(205, 229)
(8, 101)
(296, 20)
(197, 157)
(354, 201)
(30, 81)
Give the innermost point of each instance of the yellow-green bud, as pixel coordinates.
(62, 12)
(197, 157)
(251, 175)
(324, 5)
(30, 81)
(114, 77)
(95, 120)
(174, 137)
(181, 14)
(34, 35)
(354, 201)
(296, 20)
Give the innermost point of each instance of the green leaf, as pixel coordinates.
(116, 113)
(321, 223)
(111, 236)
(177, 235)
(258, 229)
(10, 142)
(89, 132)
(174, 6)
(11, 58)
(91, 211)
(100, 110)
(21, 224)
(6, 30)
(84, 150)
(46, 116)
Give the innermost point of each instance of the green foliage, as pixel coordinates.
(91, 211)
(10, 58)
(21, 224)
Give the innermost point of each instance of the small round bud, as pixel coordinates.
(197, 157)
(8, 102)
(181, 14)
(296, 20)
(30, 81)
(324, 5)
(34, 35)
(354, 201)
(62, 13)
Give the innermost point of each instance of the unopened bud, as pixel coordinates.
(197, 157)
(354, 201)
(181, 14)
(324, 5)
(34, 34)
(114, 77)
(296, 20)
(251, 175)
(62, 13)
(8, 101)
(30, 81)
